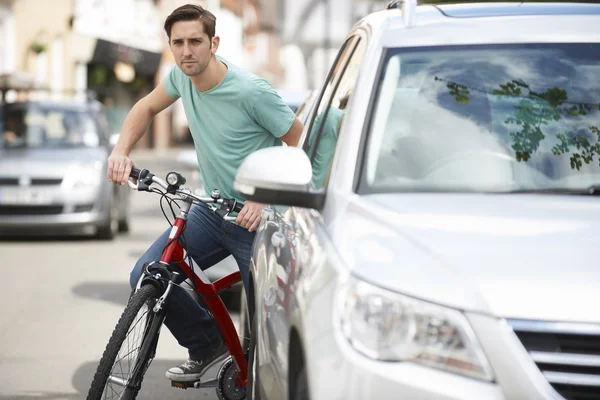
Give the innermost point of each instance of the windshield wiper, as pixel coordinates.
(593, 190)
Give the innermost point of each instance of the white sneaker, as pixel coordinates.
(192, 370)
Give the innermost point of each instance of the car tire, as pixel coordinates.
(123, 226)
(301, 386)
(108, 230)
(232, 299)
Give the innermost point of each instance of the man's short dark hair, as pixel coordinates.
(192, 12)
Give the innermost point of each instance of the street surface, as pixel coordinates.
(62, 298)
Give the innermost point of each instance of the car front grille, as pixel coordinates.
(84, 208)
(568, 354)
(9, 181)
(34, 181)
(30, 210)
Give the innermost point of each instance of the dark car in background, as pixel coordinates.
(53, 161)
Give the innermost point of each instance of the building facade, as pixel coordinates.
(308, 34)
(108, 49)
(7, 38)
(118, 50)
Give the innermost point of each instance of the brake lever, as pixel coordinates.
(224, 210)
(142, 185)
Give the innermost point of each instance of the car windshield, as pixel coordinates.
(486, 118)
(32, 126)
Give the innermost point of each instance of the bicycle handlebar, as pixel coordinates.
(143, 176)
(135, 173)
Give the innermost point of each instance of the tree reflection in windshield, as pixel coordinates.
(534, 111)
(491, 118)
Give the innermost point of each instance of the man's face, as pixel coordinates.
(191, 47)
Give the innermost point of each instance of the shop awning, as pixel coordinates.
(144, 62)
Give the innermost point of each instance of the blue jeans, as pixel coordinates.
(208, 239)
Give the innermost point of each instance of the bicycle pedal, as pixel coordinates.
(182, 385)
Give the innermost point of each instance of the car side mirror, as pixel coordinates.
(279, 175)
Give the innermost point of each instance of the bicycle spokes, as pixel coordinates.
(122, 370)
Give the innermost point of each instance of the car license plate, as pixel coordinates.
(24, 197)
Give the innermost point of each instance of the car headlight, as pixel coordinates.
(82, 175)
(388, 326)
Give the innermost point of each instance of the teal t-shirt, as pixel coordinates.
(327, 143)
(239, 116)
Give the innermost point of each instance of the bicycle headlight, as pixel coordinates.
(385, 325)
(175, 179)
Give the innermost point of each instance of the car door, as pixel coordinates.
(287, 242)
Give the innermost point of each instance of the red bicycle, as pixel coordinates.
(133, 343)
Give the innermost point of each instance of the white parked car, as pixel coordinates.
(438, 234)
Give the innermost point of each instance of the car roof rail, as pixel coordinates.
(409, 10)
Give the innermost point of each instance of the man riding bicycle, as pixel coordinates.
(231, 113)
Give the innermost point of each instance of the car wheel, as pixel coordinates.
(123, 212)
(108, 230)
(123, 226)
(301, 386)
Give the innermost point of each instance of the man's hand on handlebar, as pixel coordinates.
(119, 167)
(250, 215)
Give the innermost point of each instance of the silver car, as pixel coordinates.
(53, 160)
(437, 236)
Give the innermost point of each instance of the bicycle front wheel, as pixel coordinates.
(129, 350)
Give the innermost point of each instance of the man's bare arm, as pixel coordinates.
(250, 216)
(292, 136)
(134, 127)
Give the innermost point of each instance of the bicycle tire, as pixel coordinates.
(122, 331)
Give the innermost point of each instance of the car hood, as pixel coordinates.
(46, 162)
(507, 255)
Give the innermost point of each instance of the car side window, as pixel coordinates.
(330, 111)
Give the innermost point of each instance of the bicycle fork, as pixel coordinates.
(150, 342)
(147, 353)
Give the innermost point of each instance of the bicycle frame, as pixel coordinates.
(210, 293)
(158, 279)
